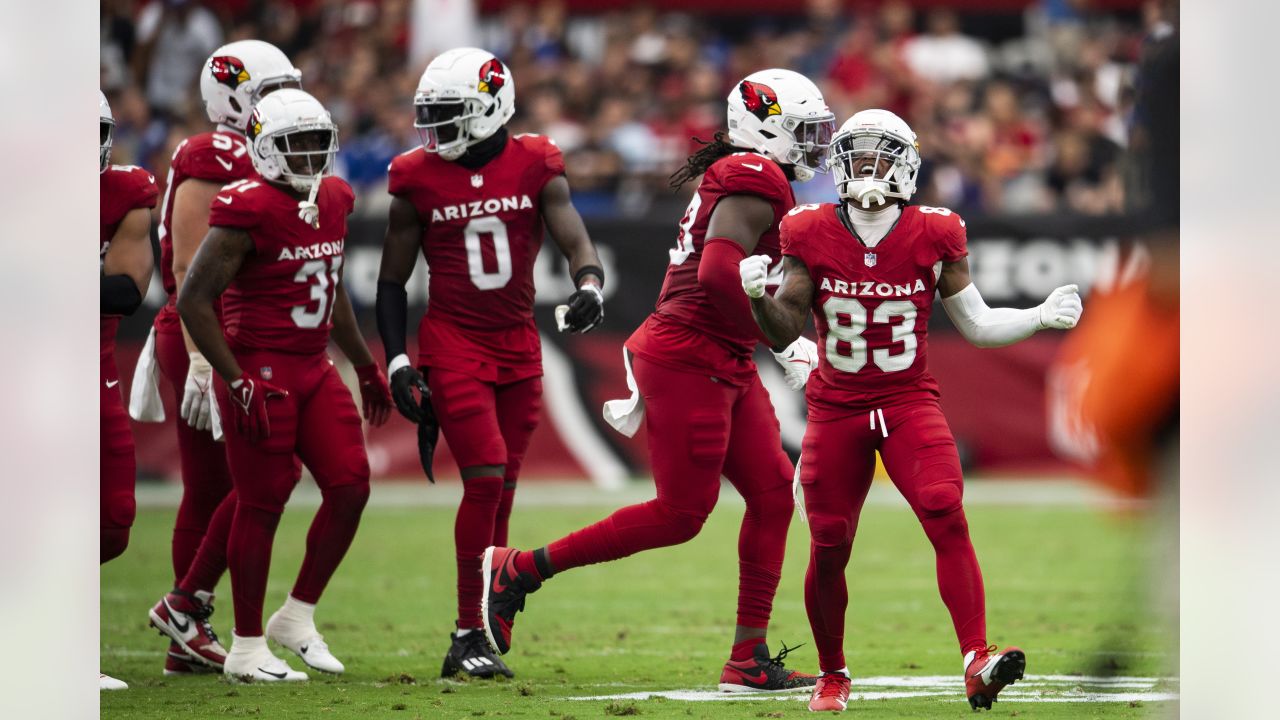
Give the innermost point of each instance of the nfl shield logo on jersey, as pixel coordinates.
(265, 372)
(870, 259)
(477, 180)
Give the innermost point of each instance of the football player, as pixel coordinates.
(868, 268)
(274, 254)
(126, 195)
(473, 200)
(705, 408)
(232, 82)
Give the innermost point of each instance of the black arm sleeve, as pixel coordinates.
(120, 295)
(392, 308)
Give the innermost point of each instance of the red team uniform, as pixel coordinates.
(477, 343)
(122, 189)
(872, 392)
(218, 157)
(277, 317)
(706, 411)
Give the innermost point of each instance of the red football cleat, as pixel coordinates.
(986, 672)
(185, 619)
(178, 662)
(831, 694)
(761, 673)
(503, 596)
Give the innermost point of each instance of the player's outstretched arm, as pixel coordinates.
(733, 231)
(780, 317)
(212, 270)
(126, 268)
(400, 250)
(375, 394)
(988, 327)
(586, 304)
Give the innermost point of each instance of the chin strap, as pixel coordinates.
(308, 211)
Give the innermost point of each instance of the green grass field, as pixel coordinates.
(1062, 582)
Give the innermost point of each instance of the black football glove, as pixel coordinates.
(403, 383)
(428, 436)
(586, 309)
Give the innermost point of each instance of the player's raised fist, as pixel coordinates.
(404, 380)
(754, 270)
(375, 394)
(1062, 309)
(250, 397)
(586, 309)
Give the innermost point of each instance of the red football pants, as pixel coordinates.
(700, 428)
(486, 425)
(117, 466)
(205, 477)
(837, 463)
(318, 422)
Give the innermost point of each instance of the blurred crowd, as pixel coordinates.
(1015, 114)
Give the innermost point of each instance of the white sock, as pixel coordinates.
(845, 671)
(204, 596)
(251, 644)
(298, 611)
(463, 632)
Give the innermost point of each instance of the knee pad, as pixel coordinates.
(708, 438)
(483, 488)
(112, 543)
(776, 501)
(830, 530)
(119, 510)
(684, 524)
(355, 495)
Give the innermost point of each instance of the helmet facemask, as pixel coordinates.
(812, 141)
(304, 154)
(106, 131)
(443, 124)
(873, 165)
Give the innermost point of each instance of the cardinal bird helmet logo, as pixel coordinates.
(228, 70)
(760, 99)
(492, 77)
(255, 125)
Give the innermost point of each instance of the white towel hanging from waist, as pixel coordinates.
(626, 415)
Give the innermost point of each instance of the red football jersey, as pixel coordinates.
(282, 298)
(219, 157)
(122, 188)
(482, 230)
(686, 331)
(871, 305)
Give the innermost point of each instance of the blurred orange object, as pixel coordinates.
(1114, 386)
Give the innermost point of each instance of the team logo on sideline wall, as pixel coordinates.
(493, 77)
(228, 70)
(760, 99)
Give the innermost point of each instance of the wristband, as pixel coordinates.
(588, 270)
(397, 363)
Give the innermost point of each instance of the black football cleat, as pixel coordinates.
(503, 596)
(762, 673)
(471, 655)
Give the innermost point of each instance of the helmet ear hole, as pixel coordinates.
(235, 104)
(768, 134)
(489, 112)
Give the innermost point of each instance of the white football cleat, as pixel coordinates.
(106, 682)
(301, 637)
(251, 661)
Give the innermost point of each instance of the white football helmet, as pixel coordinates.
(292, 139)
(239, 74)
(781, 114)
(875, 156)
(106, 130)
(465, 95)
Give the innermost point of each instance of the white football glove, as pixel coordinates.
(196, 394)
(798, 360)
(754, 270)
(1062, 309)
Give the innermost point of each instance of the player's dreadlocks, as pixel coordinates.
(702, 159)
